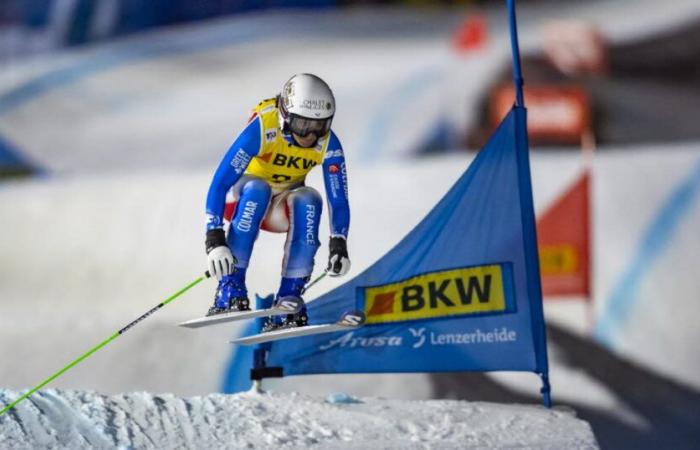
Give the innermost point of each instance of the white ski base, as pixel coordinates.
(228, 317)
(288, 333)
(233, 317)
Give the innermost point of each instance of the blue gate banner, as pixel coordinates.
(461, 292)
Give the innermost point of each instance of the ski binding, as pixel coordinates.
(285, 305)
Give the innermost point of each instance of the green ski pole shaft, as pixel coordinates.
(103, 343)
(316, 280)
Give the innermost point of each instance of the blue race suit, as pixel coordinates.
(260, 184)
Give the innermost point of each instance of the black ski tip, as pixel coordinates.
(290, 303)
(353, 318)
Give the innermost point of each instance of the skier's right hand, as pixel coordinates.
(221, 260)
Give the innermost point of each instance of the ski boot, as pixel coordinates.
(231, 295)
(290, 287)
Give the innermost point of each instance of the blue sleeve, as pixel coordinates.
(236, 160)
(336, 181)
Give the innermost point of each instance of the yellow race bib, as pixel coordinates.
(280, 163)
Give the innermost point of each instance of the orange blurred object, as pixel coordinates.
(575, 48)
(472, 34)
(557, 114)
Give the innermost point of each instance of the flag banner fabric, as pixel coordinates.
(461, 292)
(563, 234)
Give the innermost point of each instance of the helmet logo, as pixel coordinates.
(315, 104)
(288, 94)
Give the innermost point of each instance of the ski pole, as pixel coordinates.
(314, 281)
(105, 342)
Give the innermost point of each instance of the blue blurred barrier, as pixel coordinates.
(79, 21)
(12, 163)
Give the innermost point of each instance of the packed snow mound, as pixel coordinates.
(77, 420)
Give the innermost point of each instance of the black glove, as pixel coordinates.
(221, 260)
(338, 261)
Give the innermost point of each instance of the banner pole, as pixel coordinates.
(535, 289)
(89, 353)
(517, 72)
(260, 370)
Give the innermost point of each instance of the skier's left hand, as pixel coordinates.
(338, 261)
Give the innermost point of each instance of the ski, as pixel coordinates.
(348, 320)
(286, 305)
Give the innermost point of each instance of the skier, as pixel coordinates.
(263, 174)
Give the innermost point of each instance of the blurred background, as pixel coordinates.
(115, 113)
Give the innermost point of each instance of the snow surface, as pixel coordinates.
(86, 420)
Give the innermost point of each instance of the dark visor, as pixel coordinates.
(302, 126)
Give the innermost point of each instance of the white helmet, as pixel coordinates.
(306, 105)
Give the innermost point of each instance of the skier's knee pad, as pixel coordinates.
(256, 188)
(305, 195)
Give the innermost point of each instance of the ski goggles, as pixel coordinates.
(303, 126)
